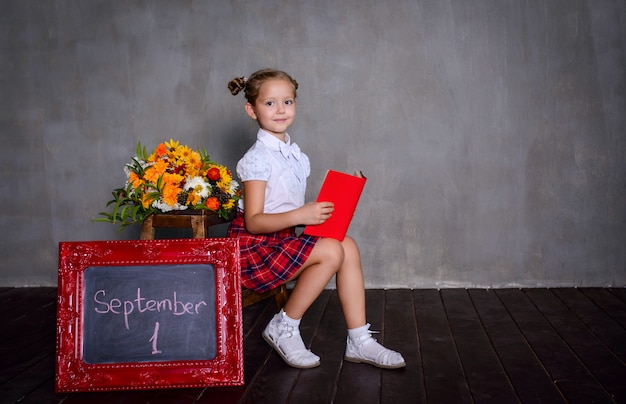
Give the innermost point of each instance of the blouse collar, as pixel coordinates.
(285, 148)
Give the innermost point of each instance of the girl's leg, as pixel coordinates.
(350, 285)
(283, 331)
(323, 263)
(329, 257)
(360, 347)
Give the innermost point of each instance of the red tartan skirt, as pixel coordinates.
(269, 260)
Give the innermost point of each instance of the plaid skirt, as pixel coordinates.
(269, 260)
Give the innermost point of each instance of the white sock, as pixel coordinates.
(354, 333)
(293, 341)
(367, 346)
(292, 322)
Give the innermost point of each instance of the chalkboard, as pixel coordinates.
(144, 314)
(149, 313)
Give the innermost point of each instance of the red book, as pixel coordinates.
(344, 190)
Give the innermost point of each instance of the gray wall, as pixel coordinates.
(491, 132)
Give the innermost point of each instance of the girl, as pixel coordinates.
(274, 172)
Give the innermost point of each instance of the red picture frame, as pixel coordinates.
(225, 368)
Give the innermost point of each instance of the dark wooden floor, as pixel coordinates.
(461, 346)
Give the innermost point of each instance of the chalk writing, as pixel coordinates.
(149, 313)
(154, 338)
(142, 304)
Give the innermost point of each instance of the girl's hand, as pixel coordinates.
(316, 212)
(258, 222)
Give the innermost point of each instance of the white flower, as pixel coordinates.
(164, 207)
(199, 186)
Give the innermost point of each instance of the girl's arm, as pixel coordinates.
(259, 222)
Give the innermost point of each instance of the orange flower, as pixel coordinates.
(146, 201)
(213, 203)
(134, 179)
(153, 172)
(161, 150)
(161, 166)
(170, 193)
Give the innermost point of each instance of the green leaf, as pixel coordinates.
(135, 211)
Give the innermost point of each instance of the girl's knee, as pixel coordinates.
(351, 249)
(331, 251)
(348, 243)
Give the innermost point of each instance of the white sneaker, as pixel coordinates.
(286, 340)
(365, 349)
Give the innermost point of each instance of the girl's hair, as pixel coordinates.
(251, 86)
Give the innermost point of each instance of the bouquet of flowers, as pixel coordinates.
(172, 177)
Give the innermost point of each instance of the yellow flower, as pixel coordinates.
(181, 155)
(194, 164)
(223, 186)
(194, 198)
(225, 175)
(172, 144)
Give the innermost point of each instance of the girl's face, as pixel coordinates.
(275, 107)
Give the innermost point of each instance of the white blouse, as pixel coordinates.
(282, 165)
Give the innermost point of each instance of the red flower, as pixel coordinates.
(213, 174)
(213, 203)
(179, 170)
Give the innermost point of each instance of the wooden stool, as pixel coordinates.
(199, 222)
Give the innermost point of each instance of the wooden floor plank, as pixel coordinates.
(530, 379)
(118, 397)
(13, 362)
(225, 395)
(318, 385)
(608, 302)
(35, 344)
(360, 383)
(569, 374)
(274, 379)
(620, 293)
(444, 379)
(42, 394)
(28, 379)
(402, 385)
(19, 302)
(256, 352)
(37, 322)
(607, 369)
(610, 332)
(164, 396)
(487, 379)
